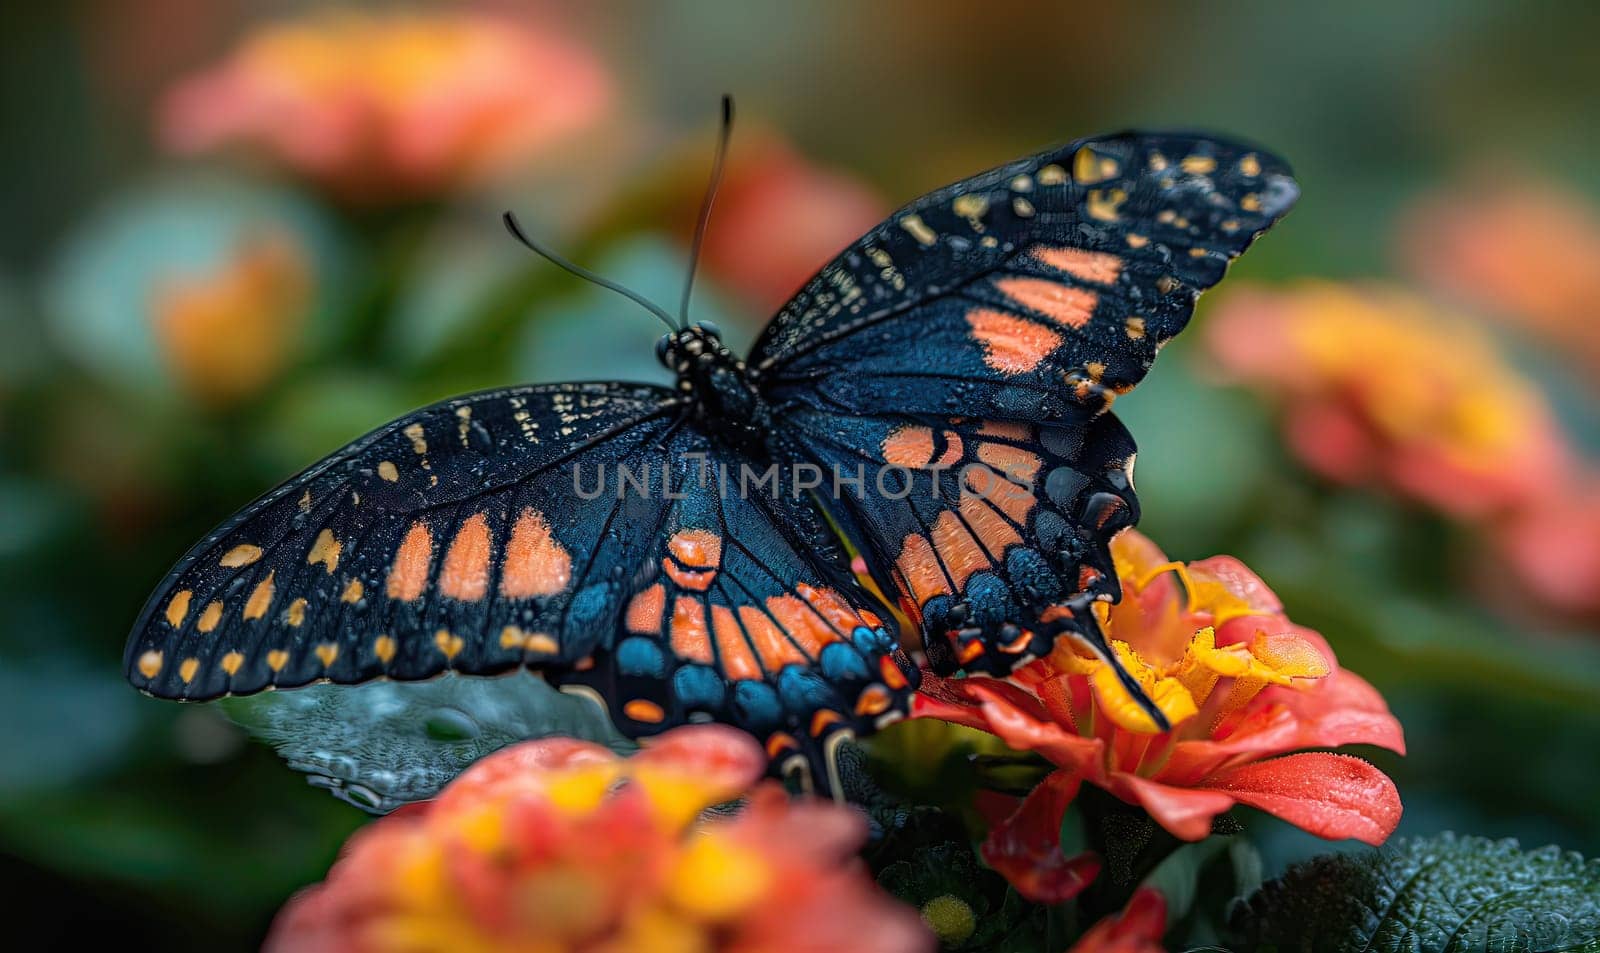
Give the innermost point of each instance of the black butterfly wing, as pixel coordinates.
(412, 551)
(986, 529)
(1003, 314)
(746, 612)
(1036, 291)
(568, 528)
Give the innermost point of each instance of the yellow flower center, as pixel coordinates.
(1198, 689)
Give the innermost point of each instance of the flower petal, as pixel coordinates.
(1137, 929)
(1185, 812)
(1329, 795)
(1026, 847)
(525, 766)
(1342, 709)
(1009, 717)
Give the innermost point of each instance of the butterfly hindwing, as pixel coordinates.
(983, 527)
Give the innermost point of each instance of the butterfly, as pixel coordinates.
(935, 400)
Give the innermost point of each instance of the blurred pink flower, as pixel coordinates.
(384, 107)
(779, 218)
(559, 845)
(1552, 548)
(1523, 251)
(1377, 386)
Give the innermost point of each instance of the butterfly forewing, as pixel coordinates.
(405, 554)
(1036, 291)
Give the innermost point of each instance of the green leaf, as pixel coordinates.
(1438, 895)
(384, 744)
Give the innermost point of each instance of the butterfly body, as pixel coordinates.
(939, 394)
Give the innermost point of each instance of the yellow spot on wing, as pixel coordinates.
(388, 471)
(919, 230)
(1052, 175)
(178, 608)
(260, 598)
(512, 637)
(325, 550)
(1250, 165)
(327, 652)
(419, 442)
(384, 647)
(232, 661)
(187, 669)
(1103, 205)
(970, 206)
(150, 664)
(1198, 165)
(352, 592)
(277, 659)
(1089, 167)
(297, 612)
(210, 617)
(241, 555)
(450, 645)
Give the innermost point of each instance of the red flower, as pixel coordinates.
(379, 107)
(559, 845)
(1527, 252)
(1243, 687)
(1137, 929)
(780, 218)
(1376, 386)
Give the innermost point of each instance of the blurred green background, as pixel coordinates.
(200, 294)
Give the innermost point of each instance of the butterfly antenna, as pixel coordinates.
(705, 206)
(515, 228)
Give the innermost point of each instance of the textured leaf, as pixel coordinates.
(1440, 895)
(384, 744)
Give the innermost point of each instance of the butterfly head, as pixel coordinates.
(714, 379)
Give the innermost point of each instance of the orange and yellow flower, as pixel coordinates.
(560, 845)
(1378, 386)
(1244, 689)
(226, 334)
(1521, 251)
(386, 107)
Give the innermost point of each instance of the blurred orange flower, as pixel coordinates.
(1379, 386)
(385, 107)
(227, 334)
(1524, 251)
(1137, 929)
(560, 845)
(780, 218)
(1242, 687)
